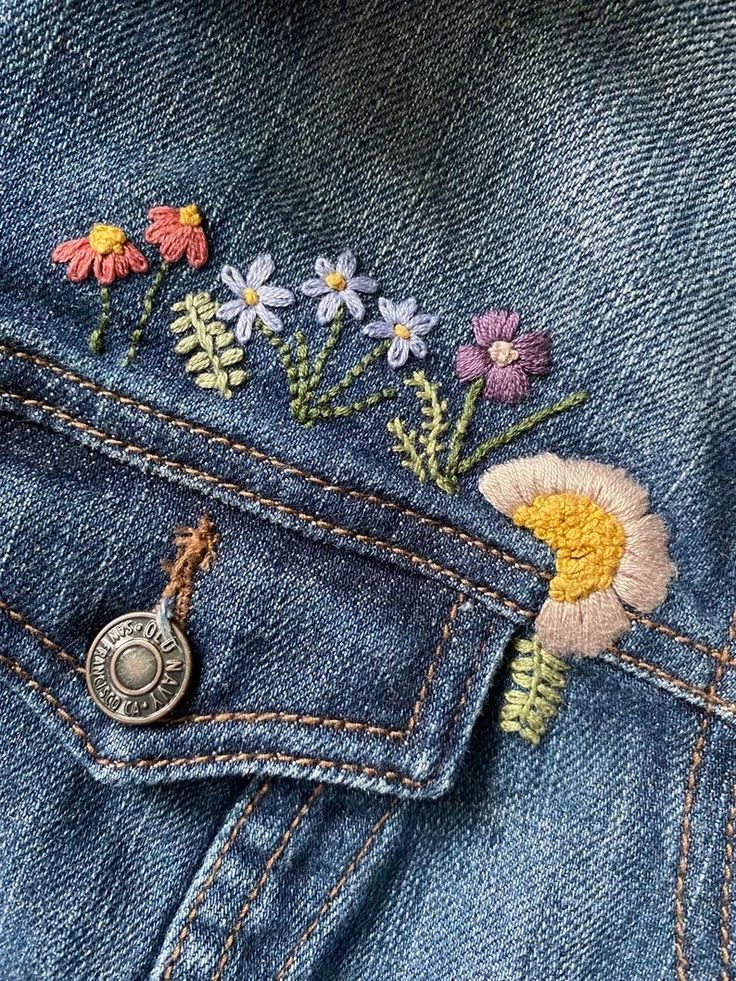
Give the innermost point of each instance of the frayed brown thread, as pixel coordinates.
(196, 550)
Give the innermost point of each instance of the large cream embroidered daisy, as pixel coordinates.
(609, 550)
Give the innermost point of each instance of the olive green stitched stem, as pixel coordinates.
(460, 432)
(137, 335)
(327, 348)
(360, 405)
(97, 337)
(284, 351)
(299, 404)
(353, 373)
(518, 429)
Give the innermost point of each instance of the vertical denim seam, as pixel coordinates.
(726, 886)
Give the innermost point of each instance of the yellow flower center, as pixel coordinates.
(402, 331)
(190, 215)
(336, 281)
(105, 239)
(588, 542)
(250, 296)
(502, 353)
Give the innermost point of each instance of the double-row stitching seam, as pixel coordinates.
(310, 519)
(681, 958)
(284, 717)
(726, 887)
(335, 891)
(647, 622)
(273, 859)
(178, 948)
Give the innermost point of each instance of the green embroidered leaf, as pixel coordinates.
(406, 444)
(435, 425)
(540, 678)
(211, 346)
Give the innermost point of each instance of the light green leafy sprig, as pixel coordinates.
(212, 349)
(540, 678)
(430, 455)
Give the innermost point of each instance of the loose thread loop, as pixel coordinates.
(196, 551)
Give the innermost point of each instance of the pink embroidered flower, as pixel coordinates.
(504, 359)
(178, 232)
(105, 252)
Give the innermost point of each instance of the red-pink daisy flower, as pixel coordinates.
(178, 232)
(106, 253)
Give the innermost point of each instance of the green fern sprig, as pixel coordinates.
(540, 678)
(212, 349)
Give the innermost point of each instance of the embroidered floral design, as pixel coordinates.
(540, 678)
(609, 550)
(405, 327)
(212, 351)
(107, 254)
(427, 453)
(254, 298)
(339, 287)
(178, 233)
(501, 359)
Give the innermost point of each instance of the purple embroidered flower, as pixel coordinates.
(254, 297)
(405, 326)
(503, 359)
(338, 286)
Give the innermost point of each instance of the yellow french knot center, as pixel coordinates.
(336, 281)
(190, 215)
(588, 542)
(250, 296)
(105, 239)
(402, 331)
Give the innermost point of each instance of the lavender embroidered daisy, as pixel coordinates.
(339, 287)
(255, 296)
(502, 357)
(404, 326)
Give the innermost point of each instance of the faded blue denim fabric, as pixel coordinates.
(334, 799)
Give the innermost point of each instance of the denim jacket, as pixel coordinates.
(376, 770)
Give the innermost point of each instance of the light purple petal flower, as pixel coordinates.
(232, 279)
(315, 287)
(417, 347)
(323, 267)
(407, 328)
(495, 325)
(269, 318)
(534, 352)
(388, 310)
(328, 307)
(259, 271)
(230, 309)
(508, 384)
(354, 304)
(398, 353)
(471, 362)
(276, 296)
(379, 328)
(406, 309)
(346, 264)
(244, 326)
(362, 284)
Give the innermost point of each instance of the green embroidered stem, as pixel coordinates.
(353, 373)
(406, 443)
(327, 348)
(212, 348)
(434, 425)
(360, 405)
(460, 432)
(540, 678)
(518, 429)
(290, 370)
(137, 335)
(97, 337)
(299, 404)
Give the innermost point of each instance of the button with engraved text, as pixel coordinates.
(135, 673)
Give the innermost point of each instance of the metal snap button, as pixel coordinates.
(135, 674)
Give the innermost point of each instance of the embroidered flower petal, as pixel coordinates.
(80, 265)
(354, 304)
(645, 571)
(276, 296)
(232, 278)
(613, 489)
(406, 309)
(379, 328)
(259, 271)
(508, 384)
(418, 347)
(346, 263)
(244, 326)
(66, 251)
(323, 267)
(398, 353)
(585, 627)
(471, 362)
(328, 307)
(388, 310)
(104, 268)
(534, 352)
(315, 287)
(197, 251)
(230, 309)
(134, 259)
(509, 485)
(362, 284)
(269, 318)
(495, 325)
(422, 323)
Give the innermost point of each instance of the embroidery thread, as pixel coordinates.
(210, 347)
(609, 550)
(540, 678)
(499, 366)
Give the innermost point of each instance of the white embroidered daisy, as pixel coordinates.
(404, 326)
(339, 287)
(254, 297)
